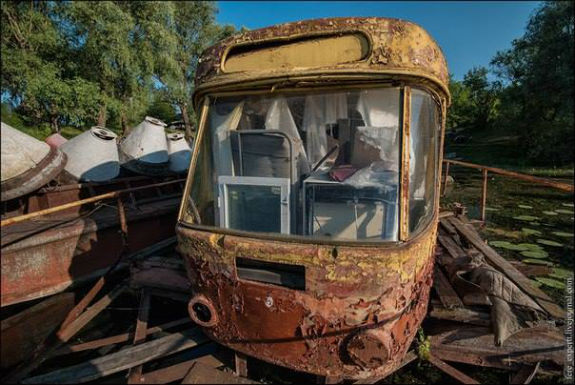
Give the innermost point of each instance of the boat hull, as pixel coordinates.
(46, 256)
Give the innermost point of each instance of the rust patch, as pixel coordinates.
(364, 305)
(397, 47)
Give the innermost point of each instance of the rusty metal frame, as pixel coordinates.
(510, 174)
(311, 34)
(403, 199)
(404, 164)
(110, 195)
(195, 154)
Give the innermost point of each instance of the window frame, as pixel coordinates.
(403, 188)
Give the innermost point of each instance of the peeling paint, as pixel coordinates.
(362, 305)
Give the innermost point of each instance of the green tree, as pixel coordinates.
(538, 76)
(474, 101)
(162, 110)
(458, 114)
(120, 46)
(194, 29)
(483, 101)
(35, 72)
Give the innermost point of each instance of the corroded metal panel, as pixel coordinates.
(398, 47)
(357, 316)
(42, 260)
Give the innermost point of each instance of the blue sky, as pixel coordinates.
(469, 32)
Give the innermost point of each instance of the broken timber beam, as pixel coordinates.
(474, 345)
(122, 360)
(241, 364)
(178, 371)
(445, 291)
(135, 373)
(463, 314)
(118, 338)
(525, 374)
(200, 373)
(77, 324)
(501, 264)
(450, 370)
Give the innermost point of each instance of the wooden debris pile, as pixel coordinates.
(484, 311)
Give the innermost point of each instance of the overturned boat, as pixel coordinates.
(145, 149)
(27, 163)
(179, 152)
(92, 155)
(59, 227)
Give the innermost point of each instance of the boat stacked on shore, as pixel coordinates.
(75, 240)
(97, 155)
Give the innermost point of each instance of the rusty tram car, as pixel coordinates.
(309, 218)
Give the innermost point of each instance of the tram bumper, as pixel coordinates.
(354, 317)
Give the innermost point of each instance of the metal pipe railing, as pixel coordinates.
(113, 194)
(512, 174)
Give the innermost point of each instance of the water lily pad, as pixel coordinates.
(552, 213)
(507, 245)
(525, 207)
(501, 244)
(530, 261)
(549, 243)
(504, 233)
(563, 211)
(561, 273)
(537, 254)
(529, 246)
(551, 282)
(567, 204)
(562, 234)
(527, 218)
(529, 231)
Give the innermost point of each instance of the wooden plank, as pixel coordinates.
(84, 302)
(475, 344)
(525, 374)
(178, 371)
(450, 370)
(241, 363)
(451, 246)
(77, 324)
(200, 373)
(24, 331)
(409, 357)
(445, 214)
(506, 268)
(118, 338)
(531, 270)
(135, 373)
(62, 336)
(122, 360)
(444, 290)
(464, 315)
(447, 226)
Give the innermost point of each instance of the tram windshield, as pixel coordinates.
(316, 164)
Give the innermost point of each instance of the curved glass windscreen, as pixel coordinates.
(423, 159)
(321, 165)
